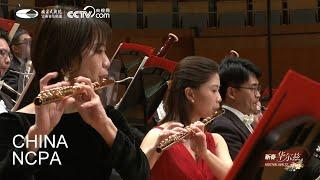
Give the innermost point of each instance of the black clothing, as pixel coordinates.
(232, 129)
(87, 156)
(12, 78)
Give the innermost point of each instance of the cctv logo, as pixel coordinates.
(82, 14)
(89, 12)
(27, 13)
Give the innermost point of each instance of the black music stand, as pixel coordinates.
(143, 96)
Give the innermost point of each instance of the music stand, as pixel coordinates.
(146, 91)
(291, 121)
(124, 63)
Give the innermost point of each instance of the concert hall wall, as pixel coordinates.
(294, 46)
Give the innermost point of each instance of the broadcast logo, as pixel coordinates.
(90, 12)
(27, 13)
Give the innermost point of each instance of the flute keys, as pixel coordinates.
(57, 94)
(54, 94)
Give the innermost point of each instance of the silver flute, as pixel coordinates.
(173, 139)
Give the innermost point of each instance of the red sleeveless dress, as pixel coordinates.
(177, 163)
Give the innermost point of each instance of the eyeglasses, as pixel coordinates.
(5, 53)
(255, 89)
(25, 41)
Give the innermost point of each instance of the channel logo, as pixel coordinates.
(89, 12)
(27, 13)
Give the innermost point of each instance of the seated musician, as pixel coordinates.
(192, 95)
(75, 138)
(20, 48)
(240, 92)
(6, 103)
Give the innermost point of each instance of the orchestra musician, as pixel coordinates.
(240, 92)
(97, 139)
(6, 102)
(16, 75)
(193, 94)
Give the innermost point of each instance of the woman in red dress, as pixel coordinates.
(193, 94)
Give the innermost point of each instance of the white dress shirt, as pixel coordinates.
(2, 107)
(240, 115)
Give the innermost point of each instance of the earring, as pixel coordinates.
(192, 101)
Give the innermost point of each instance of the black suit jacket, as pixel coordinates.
(232, 129)
(11, 78)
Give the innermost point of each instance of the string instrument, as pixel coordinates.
(173, 139)
(59, 93)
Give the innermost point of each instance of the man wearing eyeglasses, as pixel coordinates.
(240, 93)
(5, 54)
(5, 58)
(15, 77)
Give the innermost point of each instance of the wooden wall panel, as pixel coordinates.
(302, 60)
(302, 4)
(122, 7)
(231, 6)
(252, 48)
(155, 39)
(294, 46)
(297, 52)
(157, 7)
(193, 7)
(261, 5)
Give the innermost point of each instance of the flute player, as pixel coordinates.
(90, 140)
(193, 94)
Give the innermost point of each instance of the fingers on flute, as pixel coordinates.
(86, 92)
(86, 86)
(82, 94)
(87, 101)
(199, 124)
(81, 79)
(166, 133)
(173, 125)
(179, 130)
(58, 84)
(44, 81)
(194, 130)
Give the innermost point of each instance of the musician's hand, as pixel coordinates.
(256, 119)
(198, 141)
(170, 128)
(89, 104)
(257, 115)
(48, 115)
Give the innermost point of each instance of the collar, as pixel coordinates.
(235, 111)
(246, 119)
